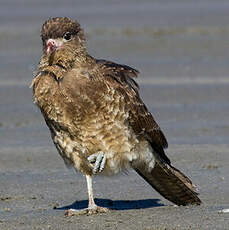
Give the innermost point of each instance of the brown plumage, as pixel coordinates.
(97, 120)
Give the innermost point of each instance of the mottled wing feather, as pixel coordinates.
(141, 120)
(121, 73)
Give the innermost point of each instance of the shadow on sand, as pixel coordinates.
(115, 204)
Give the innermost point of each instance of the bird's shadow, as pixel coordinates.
(115, 204)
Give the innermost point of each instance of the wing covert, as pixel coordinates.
(140, 119)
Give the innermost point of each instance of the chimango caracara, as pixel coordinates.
(97, 119)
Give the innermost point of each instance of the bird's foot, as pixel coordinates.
(98, 160)
(86, 211)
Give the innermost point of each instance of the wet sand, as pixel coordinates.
(181, 50)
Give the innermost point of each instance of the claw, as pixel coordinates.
(99, 160)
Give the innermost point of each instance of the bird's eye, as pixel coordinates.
(67, 36)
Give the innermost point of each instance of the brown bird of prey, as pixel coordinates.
(97, 119)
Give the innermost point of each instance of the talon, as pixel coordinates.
(92, 158)
(99, 160)
(102, 163)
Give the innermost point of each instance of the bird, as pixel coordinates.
(97, 119)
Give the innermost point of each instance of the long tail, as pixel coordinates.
(170, 183)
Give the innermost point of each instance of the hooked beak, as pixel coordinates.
(52, 45)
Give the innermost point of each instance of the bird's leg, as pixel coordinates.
(92, 207)
(99, 160)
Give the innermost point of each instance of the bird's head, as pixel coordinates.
(62, 33)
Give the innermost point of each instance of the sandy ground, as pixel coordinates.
(181, 50)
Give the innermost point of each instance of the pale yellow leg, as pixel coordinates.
(92, 207)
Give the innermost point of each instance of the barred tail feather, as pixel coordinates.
(170, 183)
